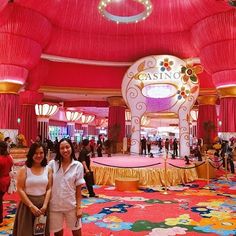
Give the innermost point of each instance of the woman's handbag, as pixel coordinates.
(12, 186)
(89, 179)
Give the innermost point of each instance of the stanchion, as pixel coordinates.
(226, 164)
(208, 170)
(165, 174)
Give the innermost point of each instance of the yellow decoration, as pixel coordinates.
(21, 141)
(217, 146)
(1, 136)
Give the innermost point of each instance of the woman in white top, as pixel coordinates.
(65, 203)
(34, 182)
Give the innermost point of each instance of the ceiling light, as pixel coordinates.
(73, 115)
(125, 19)
(46, 109)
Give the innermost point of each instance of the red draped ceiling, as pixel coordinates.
(206, 113)
(9, 110)
(228, 115)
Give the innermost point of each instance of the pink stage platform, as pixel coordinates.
(149, 171)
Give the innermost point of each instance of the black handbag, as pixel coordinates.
(89, 179)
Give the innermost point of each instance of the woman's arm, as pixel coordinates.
(48, 192)
(78, 202)
(21, 178)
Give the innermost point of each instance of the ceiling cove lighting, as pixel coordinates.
(85, 119)
(46, 109)
(147, 4)
(73, 115)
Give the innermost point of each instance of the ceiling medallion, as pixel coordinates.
(125, 19)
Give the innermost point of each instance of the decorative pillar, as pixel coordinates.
(227, 114)
(217, 55)
(20, 51)
(9, 105)
(207, 118)
(43, 112)
(28, 118)
(116, 118)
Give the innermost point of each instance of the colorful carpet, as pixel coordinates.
(191, 209)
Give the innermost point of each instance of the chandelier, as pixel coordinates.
(194, 114)
(73, 115)
(125, 19)
(145, 121)
(101, 122)
(46, 109)
(85, 119)
(127, 115)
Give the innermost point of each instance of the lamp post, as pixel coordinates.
(194, 116)
(128, 123)
(71, 117)
(43, 111)
(100, 123)
(85, 120)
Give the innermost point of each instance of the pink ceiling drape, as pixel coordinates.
(28, 122)
(116, 122)
(228, 114)
(206, 113)
(9, 110)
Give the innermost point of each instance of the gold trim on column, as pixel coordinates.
(162, 115)
(207, 100)
(207, 91)
(7, 87)
(227, 92)
(116, 101)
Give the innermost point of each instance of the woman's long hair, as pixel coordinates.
(29, 162)
(59, 157)
(3, 149)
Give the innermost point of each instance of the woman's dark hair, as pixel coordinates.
(58, 154)
(3, 148)
(32, 151)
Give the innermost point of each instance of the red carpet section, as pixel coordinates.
(192, 209)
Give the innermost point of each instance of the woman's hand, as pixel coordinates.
(79, 212)
(35, 210)
(43, 209)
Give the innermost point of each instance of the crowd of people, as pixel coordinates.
(57, 183)
(168, 144)
(41, 183)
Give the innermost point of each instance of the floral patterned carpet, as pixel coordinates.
(191, 209)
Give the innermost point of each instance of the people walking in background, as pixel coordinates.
(230, 161)
(6, 163)
(8, 142)
(149, 144)
(84, 158)
(159, 143)
(167, 145)
(38, 139)
(68, 177)
(34, 182)
(175, 147)
(143, 146)
(99, 145)
(92, 146)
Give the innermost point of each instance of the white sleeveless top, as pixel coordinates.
(35, 185)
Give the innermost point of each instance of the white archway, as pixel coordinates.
(161, 84)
